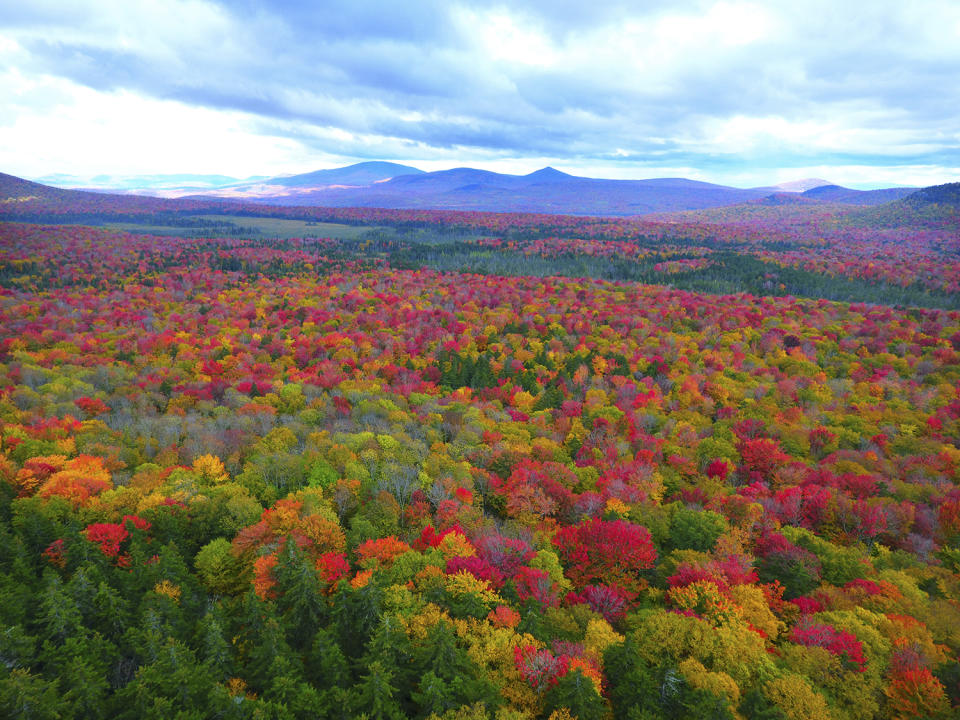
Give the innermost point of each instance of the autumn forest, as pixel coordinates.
(304, 462)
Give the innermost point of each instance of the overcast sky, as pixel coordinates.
(745, 93)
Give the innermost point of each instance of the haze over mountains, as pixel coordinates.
(391, 185)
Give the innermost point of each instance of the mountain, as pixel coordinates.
(547, 190)
(365, 173)
(287, 188)
(799, 186)
(848, 196)
(144, 183)
(946, 195)
(17, 190)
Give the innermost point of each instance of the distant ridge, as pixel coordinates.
(948, 194)
(365, 173)
(838, 194)
(799, 186)
(547, 190)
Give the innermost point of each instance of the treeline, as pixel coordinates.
(728, 273)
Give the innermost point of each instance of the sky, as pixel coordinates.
(864, 94)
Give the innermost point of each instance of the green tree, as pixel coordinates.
(375, 694)
(25, 695)
(300, 603)
(579, 695)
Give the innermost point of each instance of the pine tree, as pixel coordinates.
(579, 695)
(301, 605)
(270, 657)
(374, 696)
(215, 651)
(58, 617)
(327, 666)
(449, 677)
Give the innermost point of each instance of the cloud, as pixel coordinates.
(698, 84)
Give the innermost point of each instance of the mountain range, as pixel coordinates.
(391, 185)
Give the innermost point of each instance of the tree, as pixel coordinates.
(374, 695)
(579, 695)
(26, 695)
(692, 529)
(299, 599)
(606, 552)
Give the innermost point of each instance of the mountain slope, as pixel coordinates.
(546, 190)
(365, 173)
(948, 194)
(848, 196)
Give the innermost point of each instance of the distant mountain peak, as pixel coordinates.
(548, 173)
(800, 186)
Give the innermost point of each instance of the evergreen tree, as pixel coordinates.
(579, 695)
(327, 666)
(58, 616)
(300, 603)
(25, 695)
(374, 696)
(449, 678)
(173, 685)
(215, 651)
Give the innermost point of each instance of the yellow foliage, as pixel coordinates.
(326, 533)
(210, 468)
(599, 636)
(237, 687)
(731, 647)
(595, 399)
(477, 711)
(168, 589)
(717, 683)
(704, 598)
(524, 401)
(464, 583)
(491, 648)
(456, 545)
(796, 698)
(419, 625)
(617, 507)
(753, 608)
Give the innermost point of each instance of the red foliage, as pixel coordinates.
(91, 406)
(536, 585)
(54, 553)
(478, 567)
(608, 601)
(108, 535)
(760, 457)
(609, 552)
(541, 669)
(331, 567)
(838, 642)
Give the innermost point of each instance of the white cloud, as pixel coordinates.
(87, 131)
(507, 38)
(691, 87)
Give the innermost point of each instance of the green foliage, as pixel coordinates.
(692, 529)
(578, 694)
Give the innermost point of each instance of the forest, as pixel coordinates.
(465, 466)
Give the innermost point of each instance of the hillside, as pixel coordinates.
(545, 191)
(948, 195)
(848, 196)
